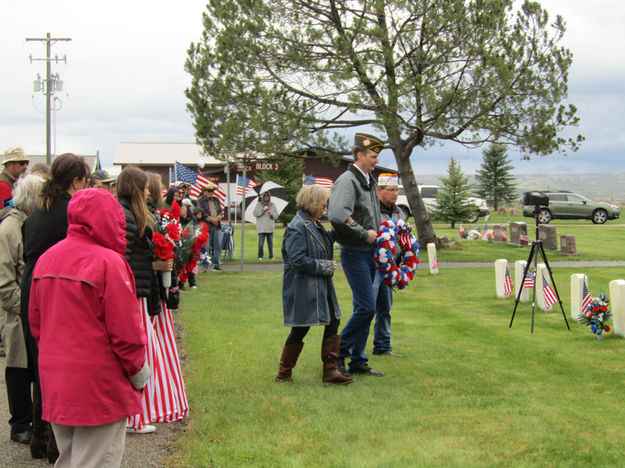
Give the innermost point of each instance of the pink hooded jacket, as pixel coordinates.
(85, 317)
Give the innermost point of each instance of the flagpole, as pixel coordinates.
(228, 186)
(244, 185)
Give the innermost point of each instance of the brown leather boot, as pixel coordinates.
(290, 353)
(330, 356)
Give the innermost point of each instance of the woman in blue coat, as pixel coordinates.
(308, 294)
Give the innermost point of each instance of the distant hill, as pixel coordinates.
(598, 187)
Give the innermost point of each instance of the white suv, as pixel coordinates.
(428, 193)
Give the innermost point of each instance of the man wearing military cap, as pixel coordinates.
(15, 164)
(354, 211)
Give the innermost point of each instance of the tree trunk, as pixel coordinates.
(417, 207)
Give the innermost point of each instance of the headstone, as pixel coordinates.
(577, 286)
(500, 276)
(541, 270)
(432, 258)
(567, 244)
(617, 306)
(518, 233)
(519, 268)
(547, 234)
(500, 233)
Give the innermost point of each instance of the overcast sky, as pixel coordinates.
(124, 80)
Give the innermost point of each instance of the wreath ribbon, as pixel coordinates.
(394, 233)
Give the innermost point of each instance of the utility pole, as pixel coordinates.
(50, 83)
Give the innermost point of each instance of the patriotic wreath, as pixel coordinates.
(390, 234)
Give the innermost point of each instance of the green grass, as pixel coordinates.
(469, 391)
(593, 242)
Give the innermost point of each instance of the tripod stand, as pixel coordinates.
(537, 248)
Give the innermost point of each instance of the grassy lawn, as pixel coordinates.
(469, 391)
(591, 241)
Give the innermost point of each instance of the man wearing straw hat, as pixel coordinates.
(15, 164)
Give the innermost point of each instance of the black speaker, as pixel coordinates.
(535, 198)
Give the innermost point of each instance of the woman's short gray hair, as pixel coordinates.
(27, 193)
(311, 198)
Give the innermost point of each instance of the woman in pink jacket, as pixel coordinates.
(84, 316)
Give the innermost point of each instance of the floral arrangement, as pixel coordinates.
(474, 234)
(193, 240)
(597, 315)
(462, 233)
(390, 234)
(166, 233)
(489, 236)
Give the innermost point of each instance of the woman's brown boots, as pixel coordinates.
(330, 356)
(290, 353)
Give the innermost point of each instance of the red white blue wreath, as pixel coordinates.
(394, 233)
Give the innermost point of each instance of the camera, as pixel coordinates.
(535, 198)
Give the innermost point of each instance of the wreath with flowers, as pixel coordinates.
(392, 234)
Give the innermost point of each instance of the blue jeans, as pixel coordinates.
(261, 242)
(382, 327)
(359, 268)
(216, 243)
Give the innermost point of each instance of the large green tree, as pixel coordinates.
(452, 203)
(494, 178)
(291, 76)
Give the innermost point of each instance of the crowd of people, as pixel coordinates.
(85, 318)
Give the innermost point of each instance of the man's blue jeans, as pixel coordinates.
(382, 327)
(215, 242)
(359, 268)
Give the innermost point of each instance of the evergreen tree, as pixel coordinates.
(495, 183)
(452, 202)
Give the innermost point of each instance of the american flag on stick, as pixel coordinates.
(507, 283)
(586, 298)
(434, 263)
(249, 184)
(321, 181)
(550, 296)
(529, 279)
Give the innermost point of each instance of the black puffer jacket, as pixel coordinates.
(138, 253)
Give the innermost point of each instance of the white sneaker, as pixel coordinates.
(193, 287)
(146, 429)
(260, 258)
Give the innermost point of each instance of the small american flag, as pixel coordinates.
(507, 283)
(586, 298)
(524, 237)
(321, 181)
(249, 184)
(529, 279)
(550, 296)
(434, 263)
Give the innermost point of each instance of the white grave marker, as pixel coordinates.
(617, 306)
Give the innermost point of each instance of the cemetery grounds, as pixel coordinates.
(468, 391)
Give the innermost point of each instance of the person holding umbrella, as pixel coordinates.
(266, 214)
